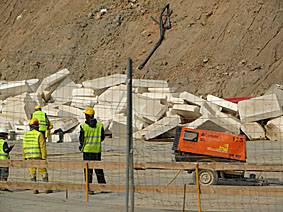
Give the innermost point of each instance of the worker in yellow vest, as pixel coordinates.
(91, 136)
(34, 148)
(44, 123)
(5, 149)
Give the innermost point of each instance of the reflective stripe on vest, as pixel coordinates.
(3, 155)
(31, 144)
(92, 138)
(41, 117)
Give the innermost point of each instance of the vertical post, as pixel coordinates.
(86, 183)
(129, 150)
(198, 188)
(184, 198)
(67, 194)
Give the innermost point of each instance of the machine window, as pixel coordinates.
(190, 136)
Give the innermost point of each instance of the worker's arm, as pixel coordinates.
(102, 134)
(42, 146)
(6, 147)
(81, 138)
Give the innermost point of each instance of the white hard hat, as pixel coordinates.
(4, 130)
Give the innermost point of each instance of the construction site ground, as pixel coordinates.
(114, 150)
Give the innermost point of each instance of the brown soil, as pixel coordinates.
(222, 47)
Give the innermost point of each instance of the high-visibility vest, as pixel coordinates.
(31, 144)
(41, 117)
(3, 155)
(92, 138)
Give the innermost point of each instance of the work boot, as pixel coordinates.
(91, 193)
(45, 179)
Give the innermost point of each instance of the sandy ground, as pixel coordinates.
(114, 150)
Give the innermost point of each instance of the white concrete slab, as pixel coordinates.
(278, 90)
(259, 108)
(230, 106)
(83, 92)
(13, 88)
(253, 130)
(158, 96)
(209, 108)
(192, 99)
(105, 82)
(149, 83)
(274, 129)
(162, 90)
(65, 110)
(187, 111)
(83, 101)
(147, 108)
(33, 84)
(162, 126)
(52, 80)
(63, 93)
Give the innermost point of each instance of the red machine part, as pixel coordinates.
(212, 143)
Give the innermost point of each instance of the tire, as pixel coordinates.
(206, 177)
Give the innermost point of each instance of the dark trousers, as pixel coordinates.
(99, 172)
(4, 173)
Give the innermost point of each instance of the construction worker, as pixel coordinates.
(44, 123)
(34, 148)
(5, 149)
(91, 136)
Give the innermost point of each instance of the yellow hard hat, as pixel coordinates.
(37, 107)
(34, 121)
(89, 111)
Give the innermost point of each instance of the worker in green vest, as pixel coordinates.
(44, 123)
(91, 136)
(34, 148)
(5, 149)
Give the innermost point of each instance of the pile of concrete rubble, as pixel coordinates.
(157, 108)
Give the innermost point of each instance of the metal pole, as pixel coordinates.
(129, 150)
(198, 188)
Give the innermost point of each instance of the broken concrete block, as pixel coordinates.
(67, 111)
(253, 130)
(113, 95)
(65, 124)
(119, 126)
(51, 80)
(205, 123)
(148, 109)
(105, 82)
(162, 90)
(158, 96)
(174, 100)
(230, 106)
(278, 90)
(63, 93)
(162, 126)
(274, 129)
(149, 83)
(259, 108)
(33, 84)
(51, 111)
(83, 92)
(192, 99)
(209, 108)
(187, 111)
(10, 89)
(19, 107)
(104, 112)
(83, 101)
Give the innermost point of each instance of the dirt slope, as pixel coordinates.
(223, 47)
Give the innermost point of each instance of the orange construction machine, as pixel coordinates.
(210, 146)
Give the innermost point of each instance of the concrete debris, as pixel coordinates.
(253, 130)
(19, 107)
(148, 109)
(259, 108)
(278, 90)
(274, 129)
(69, 111)
(161, 90)
(83, 92)
(158, 96)
(105, 82)
(51, 81)
(187, 111)
(192, 99)
(33, 84)
(150, 83)
(209, 108)
(230, 106)
(63, 93)
(158, 128)
(83, 101)
(65, 124)
(13, 88)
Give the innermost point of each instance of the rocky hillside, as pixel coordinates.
(222, 47)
